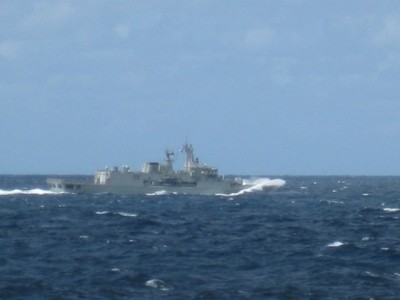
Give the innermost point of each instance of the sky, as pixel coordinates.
(262, 87)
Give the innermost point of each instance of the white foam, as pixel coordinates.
(121, 213)
(124, 214)
(157, 284)
(388, 209)
(371, 274)
(332, 201)
(158, 193)
(257, 185)
(335, 244)
(26, 192)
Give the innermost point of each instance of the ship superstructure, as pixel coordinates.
(194, 178)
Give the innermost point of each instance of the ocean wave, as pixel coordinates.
(157, 284)
(142, 257)
(26, 192)
(335, 244)
(121, 213)
(388, 209)
(257, 185)
(125, 214)
(158, 193)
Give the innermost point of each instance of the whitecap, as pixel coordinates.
(27, 192)
(158, 193)
(125, 214)
(371, 274)
(331, 201)
(388, 209)
(157, 284)
(101, 212)
(335, 244)
(40, 192)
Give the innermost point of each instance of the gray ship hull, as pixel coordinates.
(195, 178)
(200, 188)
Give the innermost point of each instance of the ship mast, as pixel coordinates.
(169, 160)
(190, 161)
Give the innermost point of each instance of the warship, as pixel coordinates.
(195, 178)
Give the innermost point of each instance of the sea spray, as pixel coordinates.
(257, 185)
(26, 192)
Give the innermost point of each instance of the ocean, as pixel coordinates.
(333, 237)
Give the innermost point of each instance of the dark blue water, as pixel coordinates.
(315, 238)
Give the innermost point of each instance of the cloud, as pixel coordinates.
(389, 34)
(48, 13)
(10, 50)
(391, 62)
(123, 31)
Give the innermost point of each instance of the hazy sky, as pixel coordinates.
(259, 87)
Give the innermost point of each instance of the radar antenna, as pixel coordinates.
(168, 155)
